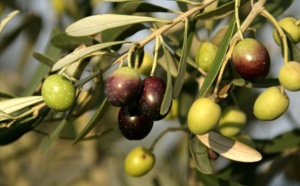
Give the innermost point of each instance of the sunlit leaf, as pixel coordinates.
(97, 23)
(217, 63)
(229, 148)
(82, 53)
(200, 156)
(5, 20)
(11, 105)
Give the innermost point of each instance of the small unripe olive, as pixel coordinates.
(146, 65)
(58, 92)
(289, 25)
(174, 110)
(271, 104)
(139, 161)
(289, 76)
(232, 121)
(203, 116)
(205, 55)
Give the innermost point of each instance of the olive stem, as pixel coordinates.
(237, 19)
(280, 31)
(161, 135)
(257, 8)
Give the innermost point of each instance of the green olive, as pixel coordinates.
(289, 76)
(289, 25)
(203, 116)
(58, 92)
(271, 104)
(232, 121)
(205, 55)
(139, 161)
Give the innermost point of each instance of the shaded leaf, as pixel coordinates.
(261, 84)
(217, 63)
(220, 11)
(286, 141)
(81, 53)
(121, 33)
(167, 100)
(274, 7)
(43, 59)
(54, 135)
(92, 123)
(64, 41)
(138, 6)
(209, 180)
(6, 95)
(294, 51)
(14, 132)
(183, 60)
(98, 23)
(200, 156)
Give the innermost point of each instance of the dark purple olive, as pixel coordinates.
(152, 94)
(122, 86)
(251, 60)
(132, 124)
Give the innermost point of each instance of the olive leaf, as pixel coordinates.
(200, 156)
(64, 41)
(98, 23)
(43, 59)
(139, 6)
(82, 53)
(4, 21)
(12, 105)
(229, 148)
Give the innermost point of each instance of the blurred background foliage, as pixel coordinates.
(99, 161)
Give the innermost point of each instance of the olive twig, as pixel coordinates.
(237, 19)
(280, 31)
(161, 135)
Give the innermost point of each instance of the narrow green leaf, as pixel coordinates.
(43, 59)
(200, 156)
(167, 100)
(294, 51)
(138, 6)
(220, 11)
(6, 95)
(217, 63)
(261, 84)
(54, 135)
(64, 41)
(187, 42)
(82, 53)
(4, 21)
(97, 23)
(12, 105)
(279, 144)
(92, 123)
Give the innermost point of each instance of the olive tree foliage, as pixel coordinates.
(91, 46)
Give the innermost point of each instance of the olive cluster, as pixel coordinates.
(140, 101)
